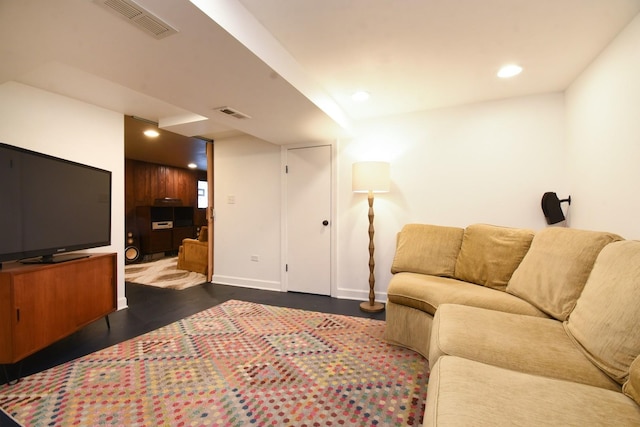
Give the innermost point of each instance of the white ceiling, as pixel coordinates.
(415, 55)
(292, 65)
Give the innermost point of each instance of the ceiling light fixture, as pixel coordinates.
(360, 96)
(152, 133)
(192, 166)
(510, 70)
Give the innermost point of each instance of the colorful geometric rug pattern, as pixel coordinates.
(235, 364)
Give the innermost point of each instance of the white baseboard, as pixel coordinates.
(342, 293)
(243, 282)
(122, 303)
(359, 295)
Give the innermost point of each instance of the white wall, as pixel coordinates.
(482, 163)
(488, 162)
(247, 170)
(603, 139)
(66, 128)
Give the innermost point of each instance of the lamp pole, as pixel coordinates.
(371, 177)
(371, 306)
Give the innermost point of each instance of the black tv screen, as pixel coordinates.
(51, 206)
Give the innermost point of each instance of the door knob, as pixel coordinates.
(325, 222)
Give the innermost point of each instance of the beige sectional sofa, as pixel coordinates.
(520, 328)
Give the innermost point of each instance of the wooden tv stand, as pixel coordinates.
(41, 304)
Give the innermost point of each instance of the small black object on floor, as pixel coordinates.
(152, 308)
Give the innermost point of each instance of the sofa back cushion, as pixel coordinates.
(632, 387)
(606, 320)
(204, 234)
(490, 254)
(556, 267)
(427, 249)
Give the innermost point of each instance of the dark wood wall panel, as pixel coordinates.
(129, 195)
(146, 182)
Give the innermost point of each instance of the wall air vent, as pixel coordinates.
(138, 16)
(233, 113)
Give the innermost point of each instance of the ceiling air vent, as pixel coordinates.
(138, 16)
(233, 113)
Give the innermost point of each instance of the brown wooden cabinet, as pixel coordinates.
(40, 304)
(147, 182)
(162, 228)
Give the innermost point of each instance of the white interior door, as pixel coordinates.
(308, 223)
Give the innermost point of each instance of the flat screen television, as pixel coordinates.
(50, 206)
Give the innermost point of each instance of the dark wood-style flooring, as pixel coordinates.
(151, 308)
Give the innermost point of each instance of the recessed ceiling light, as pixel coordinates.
(151, 133)
(360, 96)
(509, 71)
(192, 165)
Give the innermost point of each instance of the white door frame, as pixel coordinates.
(283, 216)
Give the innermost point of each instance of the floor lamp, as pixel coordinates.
(370, 177)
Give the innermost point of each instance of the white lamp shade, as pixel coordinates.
(370, 176)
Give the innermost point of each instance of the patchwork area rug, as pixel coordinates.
(163, 274)
(235, 364)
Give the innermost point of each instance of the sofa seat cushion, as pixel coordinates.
(529, 344)
(427, 293)
(556, 267)
(427, 249)
(464, 392)
(490, 254)
(606, 320)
